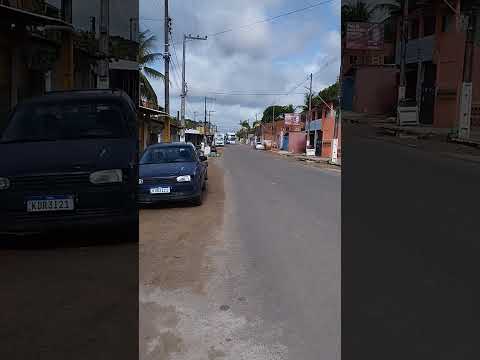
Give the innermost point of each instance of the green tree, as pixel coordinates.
(329, 95)
(279, 111)
(147, 57)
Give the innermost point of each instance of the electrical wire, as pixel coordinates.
(261, 21)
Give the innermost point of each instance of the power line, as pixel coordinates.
(261, 21)
(273, 17)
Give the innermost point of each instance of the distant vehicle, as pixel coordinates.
(231, 138)
(172, 172)
(259, 145)
(72, 161)
(219, 139)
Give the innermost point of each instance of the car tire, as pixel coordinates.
(198, 200)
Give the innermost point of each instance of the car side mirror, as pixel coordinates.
(203, 158)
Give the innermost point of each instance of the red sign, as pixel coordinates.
(364, 36)
(292, 119)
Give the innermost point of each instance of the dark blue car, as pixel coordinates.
(69, 159)
(172, 172)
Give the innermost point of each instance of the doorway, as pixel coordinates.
(427, 102)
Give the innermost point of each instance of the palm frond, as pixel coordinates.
(149, 58)
(146, 90)
(152, 73)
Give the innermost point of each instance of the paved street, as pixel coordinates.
(252, 274)
(409, 267)
(69, 296)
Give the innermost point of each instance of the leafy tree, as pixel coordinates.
(146, 57)
(245, 125)
(329, 95)
(279, 111)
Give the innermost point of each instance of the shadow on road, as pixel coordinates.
(72, 238)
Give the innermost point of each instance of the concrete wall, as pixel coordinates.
(297, 142)
(375, 90)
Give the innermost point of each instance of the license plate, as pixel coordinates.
(160, 190)
(50, 203)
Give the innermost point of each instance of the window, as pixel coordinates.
(429, 23)
(66, 121)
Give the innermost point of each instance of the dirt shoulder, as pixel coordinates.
(173, 238)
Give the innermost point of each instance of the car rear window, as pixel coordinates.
(64, 121)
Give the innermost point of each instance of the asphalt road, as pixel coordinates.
(410, 252)
(70, 295)
(285, 222)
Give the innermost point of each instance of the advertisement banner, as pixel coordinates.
(365, 36)
(292, 119)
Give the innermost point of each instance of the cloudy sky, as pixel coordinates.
(269, 57)
(120, 13)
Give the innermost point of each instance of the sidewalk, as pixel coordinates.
(427, 138)
(308, 159)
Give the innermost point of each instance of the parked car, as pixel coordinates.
(172, 172)
(69, 159)
(259, 145)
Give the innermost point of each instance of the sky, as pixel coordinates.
(263, 58)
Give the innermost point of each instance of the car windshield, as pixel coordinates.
(168, 155)
(65, 121)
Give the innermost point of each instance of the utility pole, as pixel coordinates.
(273, 126)
(103, 73)
(209, 122)
(466, 91)
(205, 124)
(334, 157)
(403, 51)
(184, 84)
(166, 56)
(309, 111)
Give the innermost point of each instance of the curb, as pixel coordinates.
(470, 159)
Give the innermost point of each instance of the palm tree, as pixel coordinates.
(246, 129)
(146, 57)
(356, 11)
(391, 8)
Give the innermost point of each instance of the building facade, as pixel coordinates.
(435, 56)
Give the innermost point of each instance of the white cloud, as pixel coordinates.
(271, 56)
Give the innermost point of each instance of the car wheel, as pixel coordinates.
(198, 200)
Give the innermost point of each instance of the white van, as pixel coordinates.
(219, 139)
